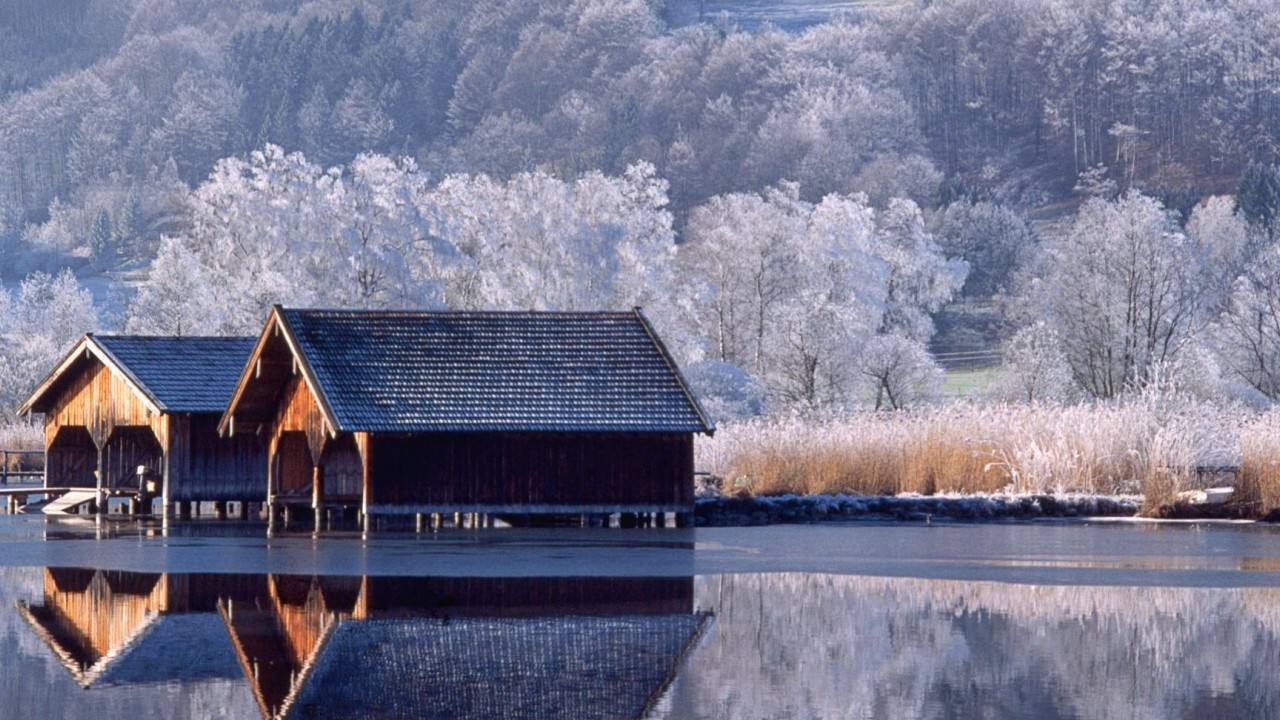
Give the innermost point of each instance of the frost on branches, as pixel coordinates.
(825, 302)
(37, 327)
(276, 228)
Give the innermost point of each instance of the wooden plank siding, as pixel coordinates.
(100, 401)
(97, 413)
(299, 412)
(547, 469)
(219, 468)
(70, 458)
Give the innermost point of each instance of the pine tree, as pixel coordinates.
(1259, 195)
(102, 246)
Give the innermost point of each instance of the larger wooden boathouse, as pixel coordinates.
(117, 403)
(468, 412)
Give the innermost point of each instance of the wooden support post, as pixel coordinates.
(365, 445)
(317, 493)
(166, 471)
(270, 507)
(99, 478)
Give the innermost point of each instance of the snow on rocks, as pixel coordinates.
(725, 511)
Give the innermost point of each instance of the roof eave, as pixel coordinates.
(309, 374)
(224, 423)
(708, 425)
(276, 320)
(110, 360)
(37, 395)
(36, 402)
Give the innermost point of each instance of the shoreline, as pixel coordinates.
(727, 511)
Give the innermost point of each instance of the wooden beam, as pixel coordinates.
(364, 443)
(272, 446)
(98, 475)
(317, 492)
(166, 466)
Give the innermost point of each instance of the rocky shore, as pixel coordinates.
(729, 511)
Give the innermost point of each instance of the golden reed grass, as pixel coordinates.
(1156, 447)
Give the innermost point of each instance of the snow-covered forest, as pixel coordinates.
(809, 214)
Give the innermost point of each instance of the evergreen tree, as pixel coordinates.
(1259, 195)
(102, 246)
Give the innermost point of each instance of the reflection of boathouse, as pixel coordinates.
(484, 412)
(114, 628)
(380, 647)
(116, 403)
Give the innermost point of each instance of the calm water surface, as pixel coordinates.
(109, 620)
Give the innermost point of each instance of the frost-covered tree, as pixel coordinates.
(1122, 290)
(102, 247)
(178, 297)
(899, 372)
(278, 228)
(994, 240)
(794, 293)
(1248, 332)
(741, 260)
(37, 327)
(1226, 242)
(921, 278)
(1035, 369)
(1258, 196)
(540, 243)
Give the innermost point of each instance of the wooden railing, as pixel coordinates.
(18, 465)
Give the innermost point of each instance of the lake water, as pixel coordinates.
(113, 619)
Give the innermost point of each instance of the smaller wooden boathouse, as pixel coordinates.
(122, 405)
(476, 413)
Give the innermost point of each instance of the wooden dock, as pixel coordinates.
(53, 499)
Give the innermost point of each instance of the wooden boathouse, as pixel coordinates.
(478, 413)
(117, 403)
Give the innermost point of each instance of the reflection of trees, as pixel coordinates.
(795, 645)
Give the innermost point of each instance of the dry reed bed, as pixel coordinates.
(21, 436)
(1151, 446)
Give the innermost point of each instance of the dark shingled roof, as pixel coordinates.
(493, 371)
(181, 374)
